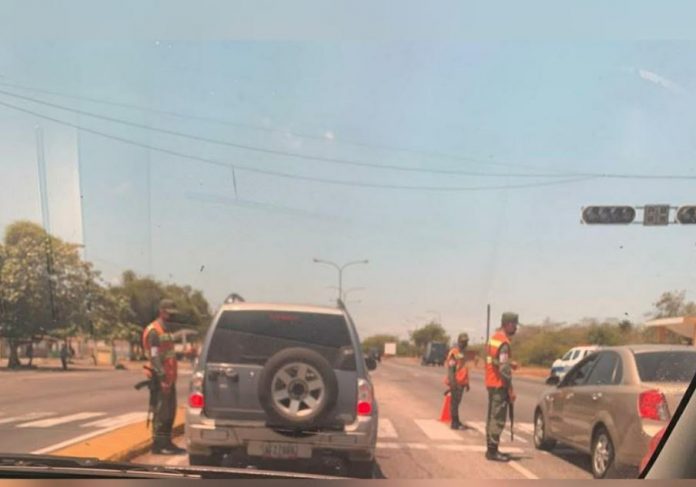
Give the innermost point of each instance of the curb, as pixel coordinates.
(121, 444)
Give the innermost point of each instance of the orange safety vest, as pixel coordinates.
(165, 350)
(493, 377)
(455, 358)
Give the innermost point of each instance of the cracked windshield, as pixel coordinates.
(372, 260)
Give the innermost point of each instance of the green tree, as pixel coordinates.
(431, 332)
(405, 348)
(43, 285)
(673, 303)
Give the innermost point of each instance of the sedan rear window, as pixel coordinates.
(666, 366)
(252, 337)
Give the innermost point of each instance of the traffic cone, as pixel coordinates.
(445, 415)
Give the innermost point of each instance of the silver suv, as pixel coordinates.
(285, 384)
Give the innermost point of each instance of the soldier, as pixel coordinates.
(499, 367)
(457, 377)
(158, 343)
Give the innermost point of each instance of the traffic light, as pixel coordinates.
(686, 215)
(654, 215)
(608, 215)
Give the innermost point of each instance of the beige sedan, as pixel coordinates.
(613, 402)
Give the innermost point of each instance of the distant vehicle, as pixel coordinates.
(435, 354)
(375, 353)
(613, 402)
(572, 357)
(282, 383)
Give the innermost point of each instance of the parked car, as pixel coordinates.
(652, 446)
(573, 356)
(435, 354)
(613, 402)
(282, 382)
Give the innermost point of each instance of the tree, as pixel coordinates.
(43, 284)
(673, 303)
(431, 332)
(404, 348)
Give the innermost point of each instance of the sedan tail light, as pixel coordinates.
(365, 398)
(653, 405)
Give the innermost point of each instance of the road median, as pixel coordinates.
(118, 445)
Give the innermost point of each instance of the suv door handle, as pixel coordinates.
(231, 374)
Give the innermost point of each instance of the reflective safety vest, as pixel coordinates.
(493, 377)
(165, 350)
(455, 358)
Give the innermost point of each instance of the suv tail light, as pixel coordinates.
(653, 405)
(365, 398)
(196, 398)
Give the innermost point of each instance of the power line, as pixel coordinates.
(278, 152)
(279, 174)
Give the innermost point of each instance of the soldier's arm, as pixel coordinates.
(451, 370)
(153, 344)
(505, 366)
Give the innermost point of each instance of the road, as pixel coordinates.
(43, 410)
(414, 444)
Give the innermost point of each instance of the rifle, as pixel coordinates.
(154, 386)
(511, 411)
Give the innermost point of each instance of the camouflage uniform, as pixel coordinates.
(455, 359)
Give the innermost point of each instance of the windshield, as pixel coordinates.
(264, 251)
(666, 366)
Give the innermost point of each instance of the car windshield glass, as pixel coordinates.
(666, 366)
(258, 248)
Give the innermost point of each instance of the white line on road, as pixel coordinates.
(24, 417)
(121, 420)
(385, 429)
(435, 430)
(526, 473)
(505, 436)
(74, 440)
(47, 423)
(425, 446)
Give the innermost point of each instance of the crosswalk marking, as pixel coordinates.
(47, 423)
(24, 417)
(526, 427)
(385, 429)
(480, 426)
(386, 445)
(123, 419)
(435, 430)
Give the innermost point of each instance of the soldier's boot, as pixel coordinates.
(456, 424)
(166, 447)
(494, 455)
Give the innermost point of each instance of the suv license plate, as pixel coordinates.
(285, 451)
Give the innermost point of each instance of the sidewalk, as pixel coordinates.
(80, 364)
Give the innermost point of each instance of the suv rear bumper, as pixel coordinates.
(206, 435)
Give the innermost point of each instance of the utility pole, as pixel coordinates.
(45, 216)
(488, 323)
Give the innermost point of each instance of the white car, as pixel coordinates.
(572, 357)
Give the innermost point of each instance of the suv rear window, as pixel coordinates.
(666, 366)
(251, 337)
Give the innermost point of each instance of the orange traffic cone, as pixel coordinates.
(445, 415)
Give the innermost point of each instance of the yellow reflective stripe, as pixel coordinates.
(491, 360)
(495, 343)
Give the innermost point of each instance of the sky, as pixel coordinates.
(520, 122)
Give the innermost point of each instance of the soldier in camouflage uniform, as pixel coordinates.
(457, 377)
(159, 345)
(499, 367)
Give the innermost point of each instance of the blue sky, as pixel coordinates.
(499, 108)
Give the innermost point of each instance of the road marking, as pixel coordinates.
(505, 436)
(385, 429)
(121, 420)
(74, 440)
(24, 417)
(425, 446)
(435, 430)
(47, 423)
(526, 428)
(526, 473)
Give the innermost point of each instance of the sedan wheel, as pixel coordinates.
(602, 454)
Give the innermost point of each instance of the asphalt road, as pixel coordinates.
(46, 409)
(414, 444)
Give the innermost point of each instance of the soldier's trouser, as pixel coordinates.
(456, 399)
(163, 418)
(497, 413)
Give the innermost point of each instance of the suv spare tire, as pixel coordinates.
(297, 388)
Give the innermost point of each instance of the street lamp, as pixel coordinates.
(340, 268)
(347, 291)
